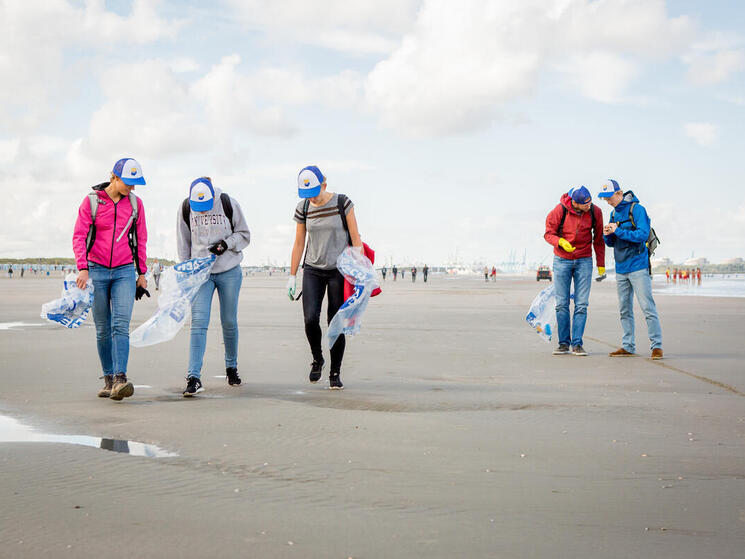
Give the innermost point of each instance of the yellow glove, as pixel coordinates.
(601, 270)
(563, 243)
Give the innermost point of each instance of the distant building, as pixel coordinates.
(664, 262)
(696, 262)
(733, 261)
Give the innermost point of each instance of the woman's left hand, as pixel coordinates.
(142, 282)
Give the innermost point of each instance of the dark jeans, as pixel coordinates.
(315, 283)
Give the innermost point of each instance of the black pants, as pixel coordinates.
(315, 283)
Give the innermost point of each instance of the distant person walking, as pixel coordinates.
(395, 272)
(10, 271)
(383, 271)
(329, 220)
(413, 274)
(23, 269)
(667, 275)
(425, 273)
(493, 273)
(212, 222)
(113, 259)
(627, 232)
(486, 273)
(157, 270)
(402, 272)
(574, 227)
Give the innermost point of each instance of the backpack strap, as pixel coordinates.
(340, 204)
(186, 212)
(227, 207)
(91, 236)
(631, 214)
(559, 230)
(306, 205)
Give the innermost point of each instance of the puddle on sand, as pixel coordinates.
(12, 431)
(18, 325)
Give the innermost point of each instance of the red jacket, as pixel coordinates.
(577, 229)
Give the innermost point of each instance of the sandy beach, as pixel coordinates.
(458, 434)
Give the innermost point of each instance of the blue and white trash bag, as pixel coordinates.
(542, 314)
(357, 270)
(178, 287)
(73, 307)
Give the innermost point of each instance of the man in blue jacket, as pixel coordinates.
(627, 233)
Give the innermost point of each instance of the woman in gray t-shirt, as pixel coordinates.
(319, 213)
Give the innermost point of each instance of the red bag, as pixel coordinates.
(349, 288)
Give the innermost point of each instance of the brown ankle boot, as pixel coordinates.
(108, 382)
(122, 388)
(657, 353)
(620, 353)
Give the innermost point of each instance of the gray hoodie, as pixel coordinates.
(208, 228)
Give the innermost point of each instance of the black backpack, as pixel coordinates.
(559, 230)
(227, 207)
(340, 203)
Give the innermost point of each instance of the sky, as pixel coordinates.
(454, 127)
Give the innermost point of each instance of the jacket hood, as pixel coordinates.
(566, 201)
(628, 198)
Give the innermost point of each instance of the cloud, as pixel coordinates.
(601, 76)
(34, 37)
(716, 67)
(703, 133)
(462, 63)
(355, 26)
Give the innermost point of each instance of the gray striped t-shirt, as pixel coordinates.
(326, 235)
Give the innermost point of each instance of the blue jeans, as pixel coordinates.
(565, 270)
(639, 282)
(228, 286)
(113, 299)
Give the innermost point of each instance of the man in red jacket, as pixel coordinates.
(573, 227)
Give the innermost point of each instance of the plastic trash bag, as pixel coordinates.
(73, 307)
(542, 313)
(178, 287)
(357, 270)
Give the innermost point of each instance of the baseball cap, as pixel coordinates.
(309, 182)
(129, 171)
(609, 189)
(580, 195)
(201, 195)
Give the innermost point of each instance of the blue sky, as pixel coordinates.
(454, 127)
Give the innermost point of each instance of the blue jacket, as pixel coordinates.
(629, 244)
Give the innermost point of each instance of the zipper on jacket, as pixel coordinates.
(113, 237)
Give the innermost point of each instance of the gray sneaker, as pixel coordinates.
(563, 349)
(579, 350)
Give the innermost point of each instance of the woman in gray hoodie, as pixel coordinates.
(210, 221)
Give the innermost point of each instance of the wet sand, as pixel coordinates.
(458, 434)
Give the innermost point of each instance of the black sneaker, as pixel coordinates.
(232, 374)
(315, 371)
(335, 381)
(193, 386)
(563, 349)
(579, 350)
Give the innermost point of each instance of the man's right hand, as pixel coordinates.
(563, 243)
(82, 280)
(291, 287)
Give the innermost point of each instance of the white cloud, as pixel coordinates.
(601, 76)
(35, 35)
(462, 62)
(357, 26)
(716, 67)
(703, 133)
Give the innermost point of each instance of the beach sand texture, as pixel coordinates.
(458, 434)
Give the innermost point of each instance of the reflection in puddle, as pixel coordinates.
(11, 431)
(9, 325)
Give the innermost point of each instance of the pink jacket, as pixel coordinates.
(110, 222)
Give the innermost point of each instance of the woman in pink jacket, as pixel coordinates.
(109, 243)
